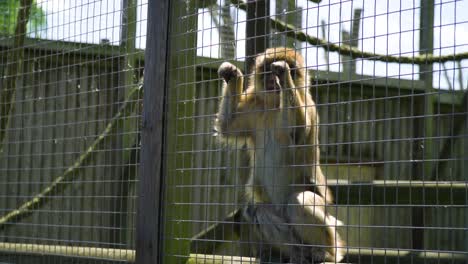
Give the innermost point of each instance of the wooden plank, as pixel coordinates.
(58, 50)
(124, 142)
(288, 12)
(93, 131)
(257, 30)
(402, 193)
(148, 247)
(60, 161)
(425, 108)
(85, 118)
(48, 172)
(39, 137)
(102, 224)
(27, 116)
(72, 152)
(126, 255)
(357, 255)
(180, 117)
(16, 175)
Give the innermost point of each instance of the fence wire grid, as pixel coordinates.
(69, 137)
(387, 79)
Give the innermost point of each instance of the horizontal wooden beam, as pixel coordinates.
(69, 251)
(398, 193)
(54, 47)
(354, 255)
(219, 259)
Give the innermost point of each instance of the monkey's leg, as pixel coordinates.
(271, 232)
(232, 90)
(307, 213)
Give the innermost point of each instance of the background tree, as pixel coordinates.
(9, 13)
(21, 11)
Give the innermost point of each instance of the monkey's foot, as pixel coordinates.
(228, 71)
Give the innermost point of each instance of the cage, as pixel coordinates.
(117, 143)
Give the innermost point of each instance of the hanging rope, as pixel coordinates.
(52, 187)
(354, 52)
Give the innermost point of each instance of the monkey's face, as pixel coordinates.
(269, 81)
(270, 77)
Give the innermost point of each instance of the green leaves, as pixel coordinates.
(8, 16)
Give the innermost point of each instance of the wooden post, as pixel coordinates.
(352, 39)
(148, 247)
(288, 12)
(180, 131)
(423, 150)
(127, 42)
(127, 81)
(221, 16)
(258, 29)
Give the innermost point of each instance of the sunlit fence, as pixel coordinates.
(108, 152)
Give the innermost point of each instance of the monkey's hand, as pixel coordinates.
(283, 72)
(226, 123)
(229, 71)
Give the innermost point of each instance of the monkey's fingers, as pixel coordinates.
(228, 71)
(280, 68)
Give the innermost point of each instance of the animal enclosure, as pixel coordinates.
(110, 150)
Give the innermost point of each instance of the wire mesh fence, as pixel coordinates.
(69, 137)
(388, 81)
(230, 168)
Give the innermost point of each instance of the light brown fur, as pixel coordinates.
(277, 118)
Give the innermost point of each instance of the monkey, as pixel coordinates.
(275, 120)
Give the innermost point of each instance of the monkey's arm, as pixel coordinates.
(291, 101)
(229, 119)
(306, 117)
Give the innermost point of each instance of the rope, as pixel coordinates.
(51, 188)
(354, 52)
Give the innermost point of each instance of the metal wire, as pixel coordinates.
(71, 106)
(389, 82)
(393, 136)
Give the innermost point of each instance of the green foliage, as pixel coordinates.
(9, 12)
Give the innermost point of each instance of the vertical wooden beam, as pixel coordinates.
(352, 39)
(127, 42)
(288, 12)
(152, 135)
(127, 81)
(424, 127)
(426, 46)
(221, 16)
(258, 29)
(180, 130)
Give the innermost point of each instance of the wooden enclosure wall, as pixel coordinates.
(63, 102)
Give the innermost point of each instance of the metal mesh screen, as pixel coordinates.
(387, 79)
(69, 129)
(389, 82)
